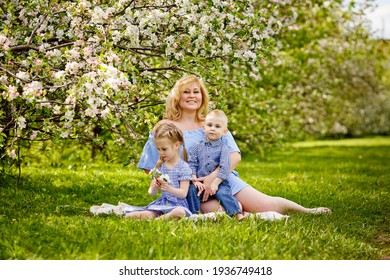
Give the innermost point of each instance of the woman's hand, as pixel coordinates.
(214, 187)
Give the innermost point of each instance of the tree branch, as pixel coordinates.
(60, 46)
(35, 29)
(21, 48)
(155, 7)
(57, 87)
(12, 74)
(54, 102)
(142, 50)
(173, 68)
(124, 8)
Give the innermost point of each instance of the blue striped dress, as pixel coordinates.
(167, 201)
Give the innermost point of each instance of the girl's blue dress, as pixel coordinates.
(167, 202)
(150, 154)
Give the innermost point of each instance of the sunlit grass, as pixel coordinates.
(356, 142)
(47, 215)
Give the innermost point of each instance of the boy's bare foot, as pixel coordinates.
(241, 216)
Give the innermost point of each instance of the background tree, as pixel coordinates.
(325, 79)
(99, 71)
(71, 68)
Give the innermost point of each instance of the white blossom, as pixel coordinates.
(91, 112)
(226, 49)
(4, 42)
(64, 134)
(12, 154)
(57, 110)
(72, 67)
(34, 134)
(21, 121)
(120, 141)
(23, 76)
(73, 54)
(12, 92)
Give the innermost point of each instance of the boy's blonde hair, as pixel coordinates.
(172, 109)
(219, 114)
(170, 131)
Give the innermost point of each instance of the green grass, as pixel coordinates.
(47, 215)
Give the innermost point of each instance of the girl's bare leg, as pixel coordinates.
(176, 213)
(141, 215)
(254, 201)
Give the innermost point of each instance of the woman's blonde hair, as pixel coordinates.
(170, 131)
(172, 109)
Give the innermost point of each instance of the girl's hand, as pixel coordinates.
(163, 185)
(154, 187)
(155, 184)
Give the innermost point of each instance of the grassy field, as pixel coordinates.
(47, 215)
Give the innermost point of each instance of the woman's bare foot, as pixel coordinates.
(319, 211)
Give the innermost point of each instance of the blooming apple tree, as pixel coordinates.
(67, 67)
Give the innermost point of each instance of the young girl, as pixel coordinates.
(174, 180)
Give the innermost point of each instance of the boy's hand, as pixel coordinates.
(200, 187)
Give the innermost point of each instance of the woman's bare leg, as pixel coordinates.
(141, 215)
(254, 201)
(211, 205)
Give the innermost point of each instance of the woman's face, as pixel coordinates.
(191, 98)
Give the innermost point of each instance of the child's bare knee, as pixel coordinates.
(178, 212)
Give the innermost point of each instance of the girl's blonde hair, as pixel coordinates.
(172, 109)
(170, 131)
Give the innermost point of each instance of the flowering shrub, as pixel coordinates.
(67, 67)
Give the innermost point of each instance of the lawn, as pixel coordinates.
(46, 215)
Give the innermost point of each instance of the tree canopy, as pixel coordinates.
(70, 69)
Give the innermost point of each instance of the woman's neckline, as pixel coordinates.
(189, 130)
(179, 125)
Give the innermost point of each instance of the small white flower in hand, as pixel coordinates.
(165, 177)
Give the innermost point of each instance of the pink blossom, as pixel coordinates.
(12, 154)
(33, 134)
(12, 92)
